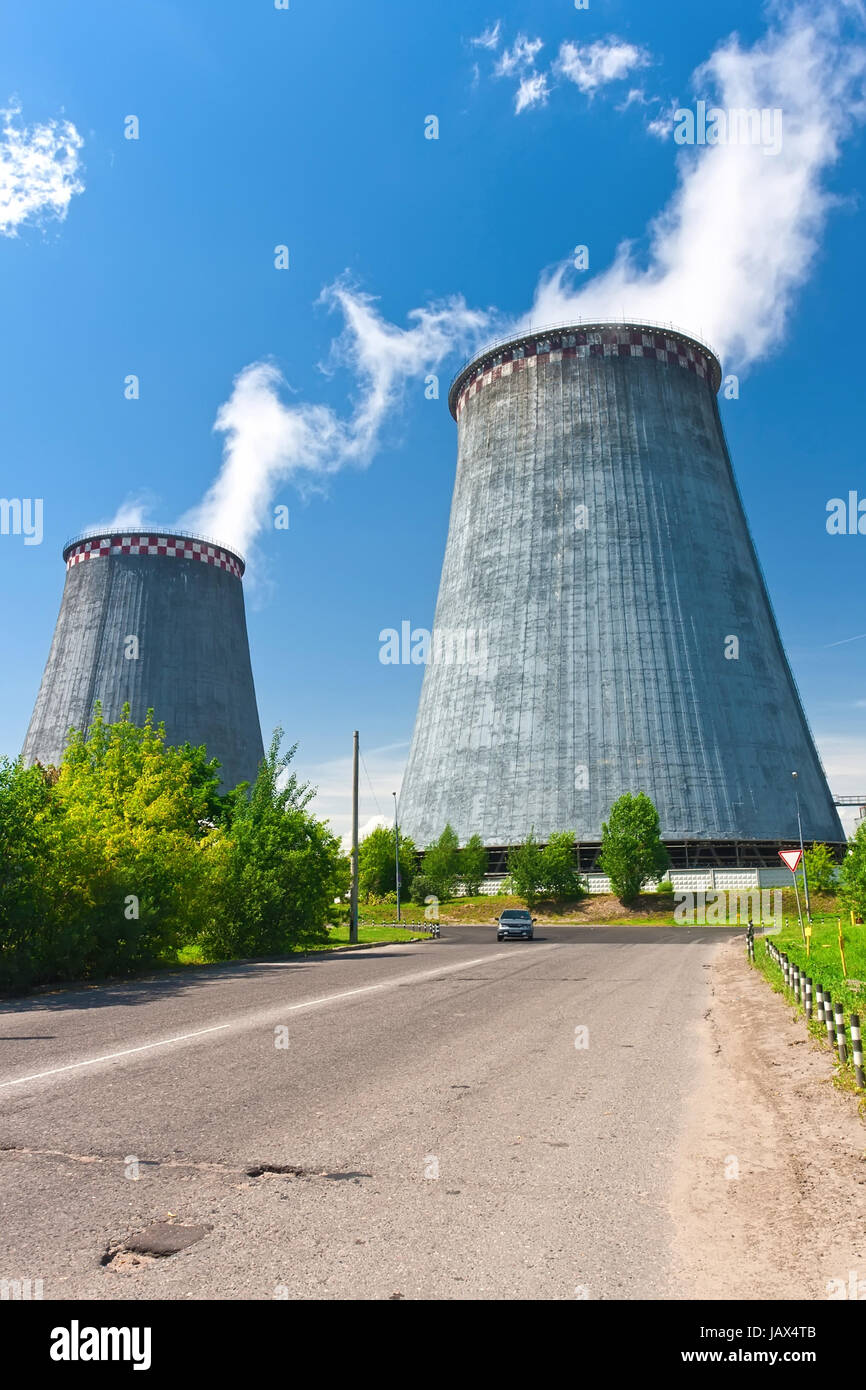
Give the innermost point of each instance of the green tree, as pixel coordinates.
(135, 816)
(852, 876)
(559, 868)
(29, 839)
(631, 847)
(526, 870)
(821, 868)
(275, 877)
(442, 864)
(377, 864)
(473, 864)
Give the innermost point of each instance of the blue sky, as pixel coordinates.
(261, 127)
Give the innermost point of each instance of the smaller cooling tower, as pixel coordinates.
(158, 622)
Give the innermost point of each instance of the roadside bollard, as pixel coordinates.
(819, 1004)
(841, 1047)
(857, 1051)
(828, 1019)
(808, 997)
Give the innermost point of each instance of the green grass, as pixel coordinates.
(851, 1002)
(335, 937)
(339, 935)
(823, 964)
(594, 909)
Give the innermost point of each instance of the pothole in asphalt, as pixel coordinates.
(156, 1242)
(262, 1169)
(123, 1261)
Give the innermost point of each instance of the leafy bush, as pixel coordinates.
(377, 863)
(560, 878)
(127, 852)
(473, 864)
(274, 880)
(421, 889)
(631, 847)
(821, 869)
(442, 864)
(526, 870)
(852, 878)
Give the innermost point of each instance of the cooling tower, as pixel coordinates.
(602, 624)
(158, 621)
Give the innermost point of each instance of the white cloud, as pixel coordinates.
(489, 38)
(39, 170)
(521, 56)
(268, 439)
(742, 231)
(590, 66)
(662, 124)
(532, 91)
(380, 774)
(844, 759)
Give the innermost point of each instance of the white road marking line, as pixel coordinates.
(276, 1011)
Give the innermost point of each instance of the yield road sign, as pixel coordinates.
(791, 857)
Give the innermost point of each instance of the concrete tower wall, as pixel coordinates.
(599, 552)
(183, 600)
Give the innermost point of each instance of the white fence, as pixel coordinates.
(683, 880)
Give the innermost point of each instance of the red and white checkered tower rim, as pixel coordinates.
(625, 338)
(163, 543)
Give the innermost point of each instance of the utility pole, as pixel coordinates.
(802, 851)
(353, 908)
(397, 852)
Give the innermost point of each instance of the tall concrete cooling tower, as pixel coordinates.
(603, 624)
(158, 621)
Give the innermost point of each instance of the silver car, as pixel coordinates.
(514, 924)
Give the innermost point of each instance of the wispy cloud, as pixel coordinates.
(844, 759)
(661, 124)
(489, 38)
(380, 774)
(533, 91)
(519, 57)
(39, 170)
(590, 66)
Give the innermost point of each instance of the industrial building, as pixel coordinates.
(623, 636)
(156, 620)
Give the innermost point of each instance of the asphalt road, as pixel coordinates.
(441, 1134)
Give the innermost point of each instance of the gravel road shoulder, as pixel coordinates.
(769, 1193)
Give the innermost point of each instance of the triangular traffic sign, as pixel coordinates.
(791, 857)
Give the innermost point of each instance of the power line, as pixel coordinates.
(370, 785)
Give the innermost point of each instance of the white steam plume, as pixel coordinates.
(726, 257)
(743, 228)
(268, 440)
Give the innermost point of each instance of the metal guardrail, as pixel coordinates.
(146, 529)
(655, 324)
